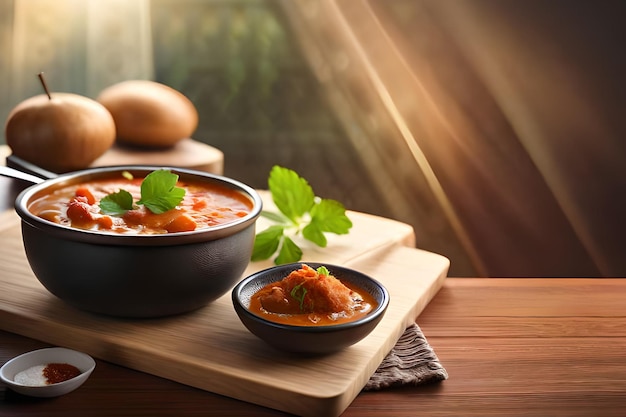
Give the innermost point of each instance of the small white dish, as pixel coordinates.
(82, 361)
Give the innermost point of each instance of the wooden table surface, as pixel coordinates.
(512, 347)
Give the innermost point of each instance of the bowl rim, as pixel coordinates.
(93, 236)
(371, 316)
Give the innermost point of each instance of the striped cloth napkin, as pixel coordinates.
(412, 361)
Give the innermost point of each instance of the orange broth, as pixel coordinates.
(204, 206)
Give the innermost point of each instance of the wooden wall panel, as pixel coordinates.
(511, 111)
(6, 49)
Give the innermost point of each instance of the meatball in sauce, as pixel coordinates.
(311, 297)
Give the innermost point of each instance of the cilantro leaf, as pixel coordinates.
(291, 193)
(300, 212)
(330, 216)
(298, 293)
(275, 217)
(314, 233)
(326, 216)
(159, 192)
(289, 252)
(117, 203)
(322, 270)
(266, 242)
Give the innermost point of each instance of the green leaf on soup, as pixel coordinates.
(117, 203)
(159, 192)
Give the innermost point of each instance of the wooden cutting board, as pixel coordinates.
(210, 349)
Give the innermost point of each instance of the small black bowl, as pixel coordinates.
(308, 339)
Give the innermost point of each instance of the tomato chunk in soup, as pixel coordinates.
(204, 206)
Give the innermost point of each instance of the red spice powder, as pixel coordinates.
(59, 372)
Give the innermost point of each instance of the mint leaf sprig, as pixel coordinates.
(158, 194)
(301, 212)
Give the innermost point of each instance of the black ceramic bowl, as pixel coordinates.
(137, 275)
(308, 339)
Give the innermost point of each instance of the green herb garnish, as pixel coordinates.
(117, 203)
(298, 293)
(322, 270)
(158, 194)
(301, 212)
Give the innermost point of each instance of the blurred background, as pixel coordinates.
(496, 128)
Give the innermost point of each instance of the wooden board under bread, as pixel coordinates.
(188, 153)
(210, 349)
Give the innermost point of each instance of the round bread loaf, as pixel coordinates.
(149, 114)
